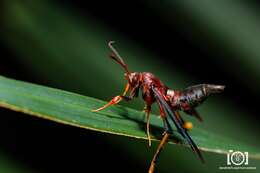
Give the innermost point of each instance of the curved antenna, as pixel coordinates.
(115, 56)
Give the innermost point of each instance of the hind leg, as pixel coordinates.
(167, 133)
(185, 124)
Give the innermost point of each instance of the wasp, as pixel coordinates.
(170, 102)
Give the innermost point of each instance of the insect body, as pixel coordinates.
(170, 102)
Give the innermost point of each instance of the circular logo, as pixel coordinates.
(237, 158)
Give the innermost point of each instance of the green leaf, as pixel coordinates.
(74, 109)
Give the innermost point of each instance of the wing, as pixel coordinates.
(179, 127)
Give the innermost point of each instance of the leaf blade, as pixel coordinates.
(74, 109)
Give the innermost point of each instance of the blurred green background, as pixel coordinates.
(63, 44)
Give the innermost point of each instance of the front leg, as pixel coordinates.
(116, 99)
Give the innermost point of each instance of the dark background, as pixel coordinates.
(167, 30)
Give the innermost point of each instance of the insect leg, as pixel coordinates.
(185, 124)
(158, 151)
(115, 100)
(166, 135)
(194, 113)
(147, 110)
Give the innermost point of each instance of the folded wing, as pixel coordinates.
(173, 117)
